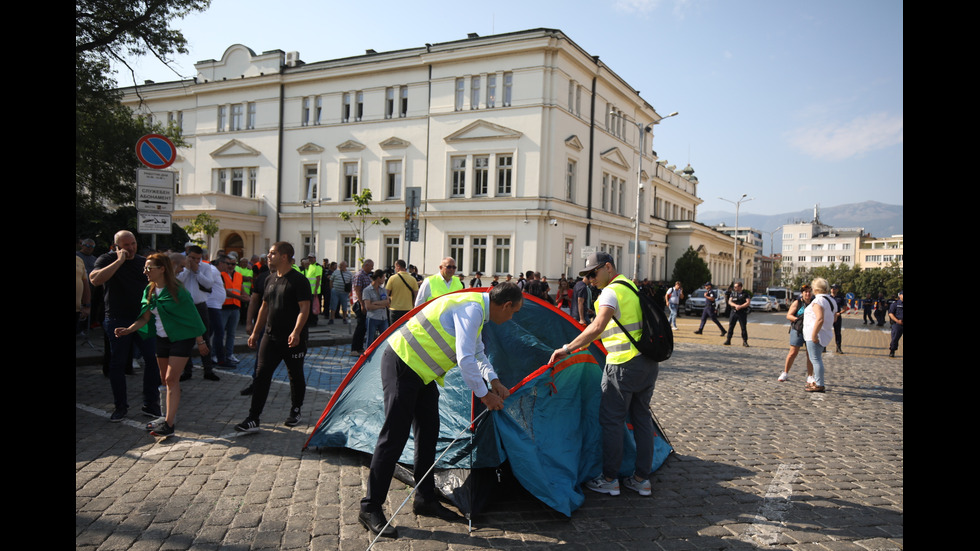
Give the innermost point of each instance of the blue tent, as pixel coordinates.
(548, 431)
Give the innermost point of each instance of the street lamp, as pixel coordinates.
(310, 202)
(643, 129)
(736, 271)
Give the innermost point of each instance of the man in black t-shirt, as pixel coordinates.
(121, 274)
(285, 308)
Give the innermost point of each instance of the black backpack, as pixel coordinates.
(656, 339)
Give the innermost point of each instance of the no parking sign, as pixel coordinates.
(156, 151)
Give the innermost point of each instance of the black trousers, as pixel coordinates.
(705, 315)
(740, 317)
(409, 405)
(273, 350)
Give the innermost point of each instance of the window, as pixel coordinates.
(176, 119)
(613, 194)
(360, 106)
(404, 103)
(318, 110)
(250, 119)
(831, 246)
(237, 181)
(475, 93)
(459, 178)
(393, 170)
(222, 180)
(571, 96)
(481, 175)
(501, 260)
(233, 181)
(873, 258)
(846, 246)
(345, 109)
(622, 196)
(236, 116)
(350, 181)
(817, 259)
(460, 93)
(389, 103)
(578, 101)
(787, 236)
(845, 259)
(787, 247)
(491, 91)
(505, 167)
(508, 88)
(803, 236)
(349, 250)
(479, 254)
(801, 259)
(604, 202)
(253, 181)
(570, 181)
(308, 245)
(310, 181)
(222, 117)
(456, 249)
(831, 259)
(304, 119)
(391, 250)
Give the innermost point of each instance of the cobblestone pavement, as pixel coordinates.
(758, 464)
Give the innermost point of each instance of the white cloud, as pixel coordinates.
(838, 141)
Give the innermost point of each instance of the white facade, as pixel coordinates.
(520, 164)
(811, 245)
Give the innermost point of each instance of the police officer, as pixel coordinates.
(628, 378)
(896, 313)
(710, 296)
(738, 302)
(410, 365)
(838, 297)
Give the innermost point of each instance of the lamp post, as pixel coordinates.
(310, 202)
(736, 273)
(643, 129)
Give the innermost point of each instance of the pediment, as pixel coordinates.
(351, 145)
(615, 156)
(309, 148)
(394, 143)
(483, 130)
(235, 148)
(574, 143)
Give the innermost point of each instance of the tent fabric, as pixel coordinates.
(548, 430)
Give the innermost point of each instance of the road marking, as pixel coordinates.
(768, 523)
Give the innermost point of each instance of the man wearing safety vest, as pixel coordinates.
(444, 334)
(439, 284)
(628, 378)
(230, 311)
(314, 273)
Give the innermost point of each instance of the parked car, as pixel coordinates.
(761, 302)
(694, 304)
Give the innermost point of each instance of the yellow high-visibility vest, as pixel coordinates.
(438, 287)
(619, 349)
(425, 345)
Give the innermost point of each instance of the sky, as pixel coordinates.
(792, 103)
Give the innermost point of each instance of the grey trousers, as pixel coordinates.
(627, 389)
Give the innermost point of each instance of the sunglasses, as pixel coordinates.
(450, 267)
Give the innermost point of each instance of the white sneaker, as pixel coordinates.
(783, 376)
(603, 486)
(810, 379)
(643, 488)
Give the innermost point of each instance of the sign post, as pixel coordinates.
(154, 186)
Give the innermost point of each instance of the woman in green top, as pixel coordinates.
(178, 326)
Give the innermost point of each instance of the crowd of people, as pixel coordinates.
(167, 306)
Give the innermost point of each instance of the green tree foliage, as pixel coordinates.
(855, 280)
(106, 131)
(691, 271)
(361, 218)
(202, 224)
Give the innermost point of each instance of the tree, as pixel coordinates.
(691, 271)
(202, 224)
(105, 130)
(361, 218)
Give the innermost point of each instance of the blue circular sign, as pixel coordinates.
(156, 151)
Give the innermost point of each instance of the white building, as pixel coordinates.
(522, 144)
(808, 245)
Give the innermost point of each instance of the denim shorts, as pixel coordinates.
(795, 338)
